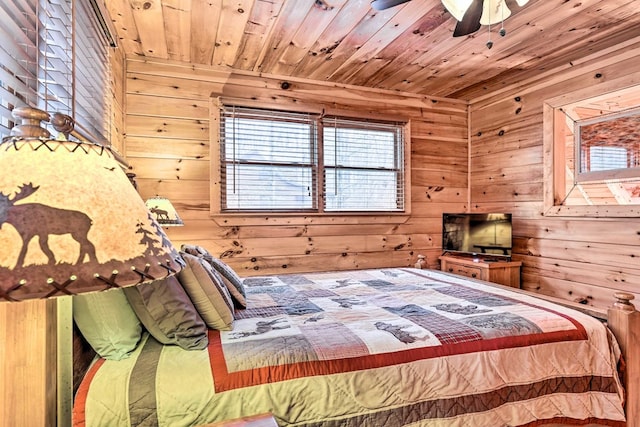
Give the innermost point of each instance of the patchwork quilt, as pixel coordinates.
(389, 347)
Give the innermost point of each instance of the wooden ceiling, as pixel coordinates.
(407, 48)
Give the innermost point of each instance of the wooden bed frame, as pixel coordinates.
(622, 319)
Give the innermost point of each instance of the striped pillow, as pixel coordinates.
(230, 277)
(210, 296)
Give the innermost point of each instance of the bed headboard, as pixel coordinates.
(83, 355)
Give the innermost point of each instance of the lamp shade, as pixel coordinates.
(70, 220)
(164, 212)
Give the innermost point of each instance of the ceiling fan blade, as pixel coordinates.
(386, 4)
(470, 21)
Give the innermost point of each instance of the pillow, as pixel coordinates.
(164, 308)
(231, 278)
(108, 323)
(195, 250)
(209, 294)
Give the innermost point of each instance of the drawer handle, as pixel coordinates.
(450, 269)
(473, 275)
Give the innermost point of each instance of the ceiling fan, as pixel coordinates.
(470, 14)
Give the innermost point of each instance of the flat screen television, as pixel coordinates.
(477, 234)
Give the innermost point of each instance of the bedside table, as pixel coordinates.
(503, 272)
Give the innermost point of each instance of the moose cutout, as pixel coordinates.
(36, 219)
(161, 214)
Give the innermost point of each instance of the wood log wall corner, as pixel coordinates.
(580, 258)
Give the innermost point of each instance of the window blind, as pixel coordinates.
(278, 161)
(268, 160)
(55, 48)
(18, 59)
(92, 108)
(600, 158)
(54, 56)
(363, 165)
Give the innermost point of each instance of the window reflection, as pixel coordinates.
(608, 143)
(599, 140)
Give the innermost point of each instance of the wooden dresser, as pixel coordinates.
(496, 271)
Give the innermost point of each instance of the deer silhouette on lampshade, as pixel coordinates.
(73, 223)
(165, 213)
(161, 214)
(37, 220)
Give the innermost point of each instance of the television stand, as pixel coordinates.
(483, 268)
(484, 248)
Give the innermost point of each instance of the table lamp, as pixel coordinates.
(165, 214)
(70, 222)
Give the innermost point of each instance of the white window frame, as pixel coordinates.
(286, 128)
(217, 186)
(379, 198)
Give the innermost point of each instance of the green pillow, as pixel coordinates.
(108, 323)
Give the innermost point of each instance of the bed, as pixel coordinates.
(385, 347)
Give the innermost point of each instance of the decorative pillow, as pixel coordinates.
(195, 250)
(164, 308)
(231, 278)
(208, 292)
(108, 323)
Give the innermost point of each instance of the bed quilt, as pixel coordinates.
(388, 347)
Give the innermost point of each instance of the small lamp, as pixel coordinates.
(70, 222)
(165, 214)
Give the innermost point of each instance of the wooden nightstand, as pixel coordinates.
(502, 272)
(261, 420)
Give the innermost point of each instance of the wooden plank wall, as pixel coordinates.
(583, 259)
(167, 144)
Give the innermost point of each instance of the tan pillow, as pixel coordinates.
(209, 294)
(164, 308)
(230, 277)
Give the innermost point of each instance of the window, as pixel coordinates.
(608, 146)
(592, 153)
(18, 59)
(279, 161)
(54, 56)
(362, 165)
(602, 158)
(269, 160)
